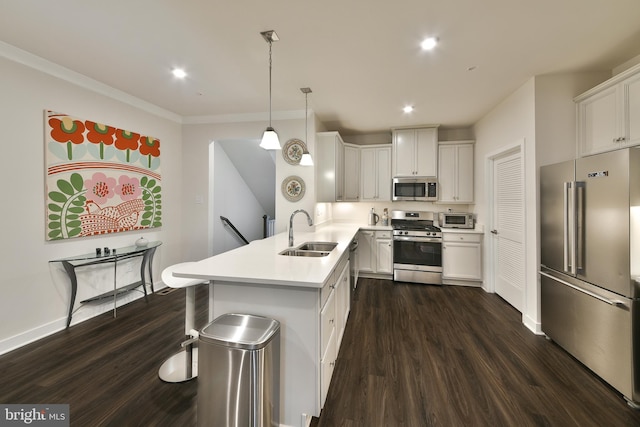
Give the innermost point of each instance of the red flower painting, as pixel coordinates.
(98, 133)
(67, 131)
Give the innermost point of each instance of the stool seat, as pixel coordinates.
(178, 282)
(183, 365)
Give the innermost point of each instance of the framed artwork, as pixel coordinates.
(99, 179)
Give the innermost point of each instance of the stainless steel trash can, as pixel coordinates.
(239, 372)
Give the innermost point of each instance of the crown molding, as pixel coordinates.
(33, 61)
(246, 117)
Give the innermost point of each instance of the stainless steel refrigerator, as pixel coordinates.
(590, 263)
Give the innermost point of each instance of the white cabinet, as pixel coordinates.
(415, 152)
(351, 174)
(375, 253)
(455, 171)
(384, 253)
(609, 114)
(334, 312)
(343, 303)
(329, 165)
(328, 348)
(461, 258)
(366, 245)
(375, 173)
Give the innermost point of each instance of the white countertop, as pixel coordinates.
(479, 229)
(260, 262)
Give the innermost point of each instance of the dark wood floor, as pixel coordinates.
(452, 356)
(411, 356)
(106, 369)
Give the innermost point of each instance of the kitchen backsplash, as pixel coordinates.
(359, 212)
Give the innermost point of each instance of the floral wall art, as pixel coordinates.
(99, 179)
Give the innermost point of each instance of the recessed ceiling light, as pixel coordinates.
(408, 109)
(429, 43)
(179, 73)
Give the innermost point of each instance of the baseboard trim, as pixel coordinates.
(27, 337)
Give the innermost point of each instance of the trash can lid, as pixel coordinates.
(244, 331)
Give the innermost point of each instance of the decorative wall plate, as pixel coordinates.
(292, 151)
(293, 188)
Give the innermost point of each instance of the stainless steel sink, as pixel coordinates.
(307, 253)
(317, 246)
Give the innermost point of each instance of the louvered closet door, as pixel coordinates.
(508, 229)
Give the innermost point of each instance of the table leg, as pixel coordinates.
(71, 272)
(115, 292)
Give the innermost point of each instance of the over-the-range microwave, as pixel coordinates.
(423, 189)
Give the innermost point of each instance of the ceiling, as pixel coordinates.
(361, 58)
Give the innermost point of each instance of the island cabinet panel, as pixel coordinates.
(311, 322)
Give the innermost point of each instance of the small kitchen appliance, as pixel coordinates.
(373, 217)
(456, 220)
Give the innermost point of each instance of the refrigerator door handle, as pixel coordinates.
(569, 260)
(584, 291)
(579, 227)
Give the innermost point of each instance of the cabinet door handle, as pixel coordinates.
(494, 231)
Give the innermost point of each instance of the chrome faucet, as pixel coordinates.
(309, 221)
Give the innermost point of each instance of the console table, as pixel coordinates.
(119, 254)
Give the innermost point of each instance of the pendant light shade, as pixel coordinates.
(270, 140)
(306, 159)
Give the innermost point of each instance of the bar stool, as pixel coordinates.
(183, 365)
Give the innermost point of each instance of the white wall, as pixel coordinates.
(555, 113)
(511, 121)
(34, 294)
(197, 137)
(541, 112)
(235, 200)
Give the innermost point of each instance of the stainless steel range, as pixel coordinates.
(417, 248)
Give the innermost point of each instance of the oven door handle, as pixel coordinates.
(417, 239)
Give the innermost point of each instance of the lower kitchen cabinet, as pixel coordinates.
(375, 253)
(462, 258)
(333, 321)
(384, 252)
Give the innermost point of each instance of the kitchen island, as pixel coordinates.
(309, 296)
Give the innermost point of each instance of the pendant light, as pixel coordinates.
(306, 159)
(270, 139)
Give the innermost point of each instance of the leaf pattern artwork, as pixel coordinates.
(100, 179)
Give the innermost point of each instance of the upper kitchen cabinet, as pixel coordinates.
(329, 167)
(351, 174)
(455, 171)
(375, 173)
(415, 152)
(609, 114)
